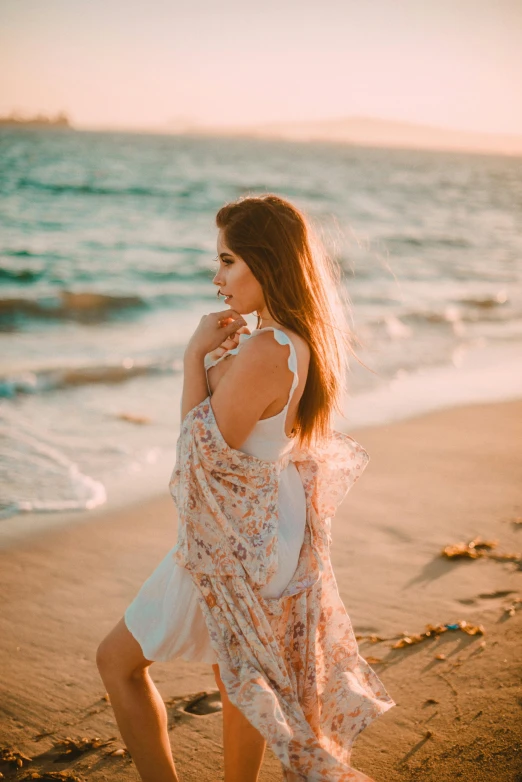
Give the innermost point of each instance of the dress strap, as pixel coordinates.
(284, 339)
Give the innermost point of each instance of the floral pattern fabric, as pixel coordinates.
(290, 664)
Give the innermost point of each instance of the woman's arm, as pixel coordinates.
(195, 388)
(210, 333)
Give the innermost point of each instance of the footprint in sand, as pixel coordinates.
(499, 593)
(487, 596)
(208, 703)
(199, 704)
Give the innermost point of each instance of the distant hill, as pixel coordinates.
(367, 131)
(40, 120)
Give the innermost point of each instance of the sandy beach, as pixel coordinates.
(435, 480)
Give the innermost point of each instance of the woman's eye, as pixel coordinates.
(215, 262)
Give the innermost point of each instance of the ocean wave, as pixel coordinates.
(20, 275)
(486, 302)
(57, 378)
(19, 253)
(30, 254)
(67, 304)
(122, 244)
(469, 310)
(197, 273)
(90, 189)
(465, 311)
(41, 477)
(426, 241)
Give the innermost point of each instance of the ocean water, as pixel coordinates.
(106, 243)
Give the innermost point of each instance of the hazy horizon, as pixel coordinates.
(188, 123)
(356, 131)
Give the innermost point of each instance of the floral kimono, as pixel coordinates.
(291, 663)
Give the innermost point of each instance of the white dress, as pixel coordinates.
(165, 617)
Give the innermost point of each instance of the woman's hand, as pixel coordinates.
(228, 344)
(214, 330)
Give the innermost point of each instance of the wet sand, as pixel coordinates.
(432, 481)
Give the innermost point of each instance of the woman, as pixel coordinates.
(259, 472)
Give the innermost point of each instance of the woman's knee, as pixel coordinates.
(119, 655)
(105, 657)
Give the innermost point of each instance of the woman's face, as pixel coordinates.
(235, 279)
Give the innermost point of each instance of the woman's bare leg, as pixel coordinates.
(138, 707)
(243, 745)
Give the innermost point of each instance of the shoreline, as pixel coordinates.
(483, 376)
(433, 480)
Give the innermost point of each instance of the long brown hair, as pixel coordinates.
(302, 291)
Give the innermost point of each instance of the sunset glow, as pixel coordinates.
(165, 65)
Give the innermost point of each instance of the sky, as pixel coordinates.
(157, 64)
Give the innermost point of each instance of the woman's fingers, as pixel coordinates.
(233, 340)
(229, 343)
